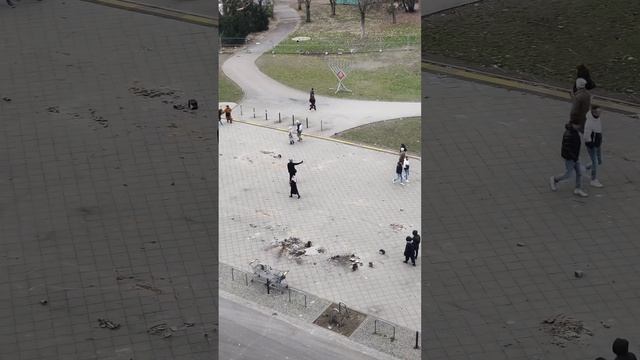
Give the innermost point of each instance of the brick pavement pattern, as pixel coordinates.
(348, 204)
(489, 155)
(108, 198)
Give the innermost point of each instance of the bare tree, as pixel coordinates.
(363, 7)
(300, 4)
(392, 10)
(307, 5)
(333, 7)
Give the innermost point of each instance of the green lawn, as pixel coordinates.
(373, 77)
(388, 134)
(543, 39)
(228, 90)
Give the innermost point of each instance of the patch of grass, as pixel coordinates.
(227, 89)
(388, 134)
(544, 39)
(391, 76)
(342, 32)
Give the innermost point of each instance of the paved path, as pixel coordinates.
(263, 92)
(348, 204)
(251, 332)
(434, 6)
(491, 152)
(71, 231)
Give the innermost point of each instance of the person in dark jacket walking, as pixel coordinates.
(291, 167)
(571, 141)
(312, 100)
(409, 251)
(294, 187)
(416, 242)
(399, 173)
(620, 347)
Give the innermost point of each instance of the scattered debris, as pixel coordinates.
(354, 267)
(149, 287)
(370, 264)
(605, 324)
(520, 244)
(396, 227)
(321, 250)
(159, 329)
(172, 125)
(192, 104)
(308, 244)
(564, 329)
(578, 274)
(7, 99)
(179, 107)
(108, 324)
(99, 119)
(291, 246)
(53, 109)
(382, 252)
(44, 302)
(346, 260)
(152, 93)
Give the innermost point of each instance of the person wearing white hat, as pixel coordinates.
(581, 104)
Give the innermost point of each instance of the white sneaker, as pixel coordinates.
(552, 184)
(596, 183)
(580, 193)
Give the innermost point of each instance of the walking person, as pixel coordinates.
(593, 143)
(416, 242)
(291, 167)
(403, 152)
(299, 130)
(581, 104)
(398, 173)
(406, 168)
(227, 113)
(620, 347)
(409, 251)
(571, 154)
(220, 112)
(312, 100)
(291, 141)
(294, 187)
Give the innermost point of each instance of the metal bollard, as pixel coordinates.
(307, 123)
(268, 286)
(254, 113)
(320, 125)
(240, 110)
(279, 118)
(293, 119)
(232, 279)
(417, 347)
(265, 115)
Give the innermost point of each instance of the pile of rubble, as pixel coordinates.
(564, 329)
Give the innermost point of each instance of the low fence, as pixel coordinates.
(278, 117)
(300, 298)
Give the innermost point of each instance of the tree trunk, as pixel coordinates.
(393, 14)
(333, 8)
(307, 4)
(299, 4)
(362, 18)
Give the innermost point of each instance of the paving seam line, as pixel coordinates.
(367, 147)
(367, 316)
(159, 11)
(528, 86)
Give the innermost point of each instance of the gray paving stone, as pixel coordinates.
(492, 152)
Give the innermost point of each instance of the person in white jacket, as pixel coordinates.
(593, 143)
(405, 168)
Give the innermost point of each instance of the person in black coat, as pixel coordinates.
(294, 187)
(291, 167)
(620, 347)
(409, 251)
(312, 100)
(416, 242)
(571, 141)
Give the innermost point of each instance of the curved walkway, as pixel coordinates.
(264, 93)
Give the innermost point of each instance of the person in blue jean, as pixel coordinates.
(571, 141)
(593, 143)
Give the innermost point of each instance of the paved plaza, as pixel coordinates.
(109, 193)
(348, 206)
(503, 248)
